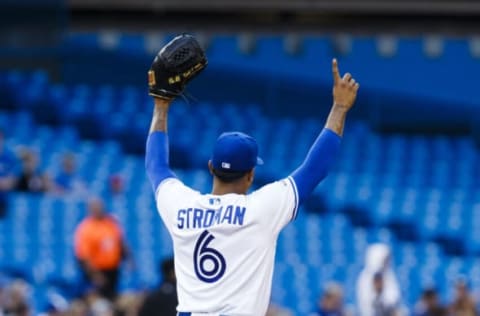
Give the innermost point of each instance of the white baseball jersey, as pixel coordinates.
(224, 245)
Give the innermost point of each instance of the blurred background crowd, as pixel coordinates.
(393, 230)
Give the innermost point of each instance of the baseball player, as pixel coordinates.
(224, 242)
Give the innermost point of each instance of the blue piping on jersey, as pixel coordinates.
(156, 158)
(316, 165)
(295, 193)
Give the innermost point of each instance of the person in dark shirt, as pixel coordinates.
(464, 303)
(163, 301)
(66, 180)
(16, 302)
(429, 304)
(30, 178)
(331, 301)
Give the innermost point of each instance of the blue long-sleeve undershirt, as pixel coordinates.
(307, 176)
(156, 158)
(317, 163)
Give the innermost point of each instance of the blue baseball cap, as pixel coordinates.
(235, 152)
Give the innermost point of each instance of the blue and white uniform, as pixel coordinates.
(224, 245)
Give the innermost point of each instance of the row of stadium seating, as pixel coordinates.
(386, 179)
(302, 59)
(101, 112)
(37, 237)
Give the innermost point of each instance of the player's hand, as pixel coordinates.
(344, 88)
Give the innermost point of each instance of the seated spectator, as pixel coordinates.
(16, 303)
(128, 304)
(67, 180)
(463, 304)
(429, 304)
(380, 306)
(3, 294)
(165, 297)
(30, 178)
(77, 308)
(117, 185)
(331, 301)
(275, 310)
(8, 164)
(97, 304)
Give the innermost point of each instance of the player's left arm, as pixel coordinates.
(326, 147)
(156, 157)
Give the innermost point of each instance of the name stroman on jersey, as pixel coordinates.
(204, 218)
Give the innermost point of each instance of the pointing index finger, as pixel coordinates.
(335, 71)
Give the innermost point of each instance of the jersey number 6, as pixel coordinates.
(209, 264)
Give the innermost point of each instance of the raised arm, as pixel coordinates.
(179, 61)
(156, 157)
(324, 150)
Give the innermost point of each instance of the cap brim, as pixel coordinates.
(259, 161)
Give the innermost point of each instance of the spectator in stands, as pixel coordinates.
(377, 290)
(67, 181)
(380, 306)
(331, 301)
(30, 178)
(463, 304)
(78, 308)
(7, 174)
(16, 303)
(3, 294)
(98, 305)
(100, 249)
(128, 304)
(429, 304)
(275, 310)
(117, 185)
(165, 297)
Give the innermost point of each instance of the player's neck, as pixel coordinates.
(221, 188)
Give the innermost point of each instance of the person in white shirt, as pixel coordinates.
(378, 292)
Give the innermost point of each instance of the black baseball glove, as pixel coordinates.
(176, 64)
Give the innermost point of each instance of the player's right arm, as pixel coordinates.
(179, 61)
(324, 150)
(167, 188)
(156, 157)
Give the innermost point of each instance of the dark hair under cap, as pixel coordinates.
(228, 177)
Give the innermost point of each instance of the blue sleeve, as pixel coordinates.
(156, 158)
(316, 165)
